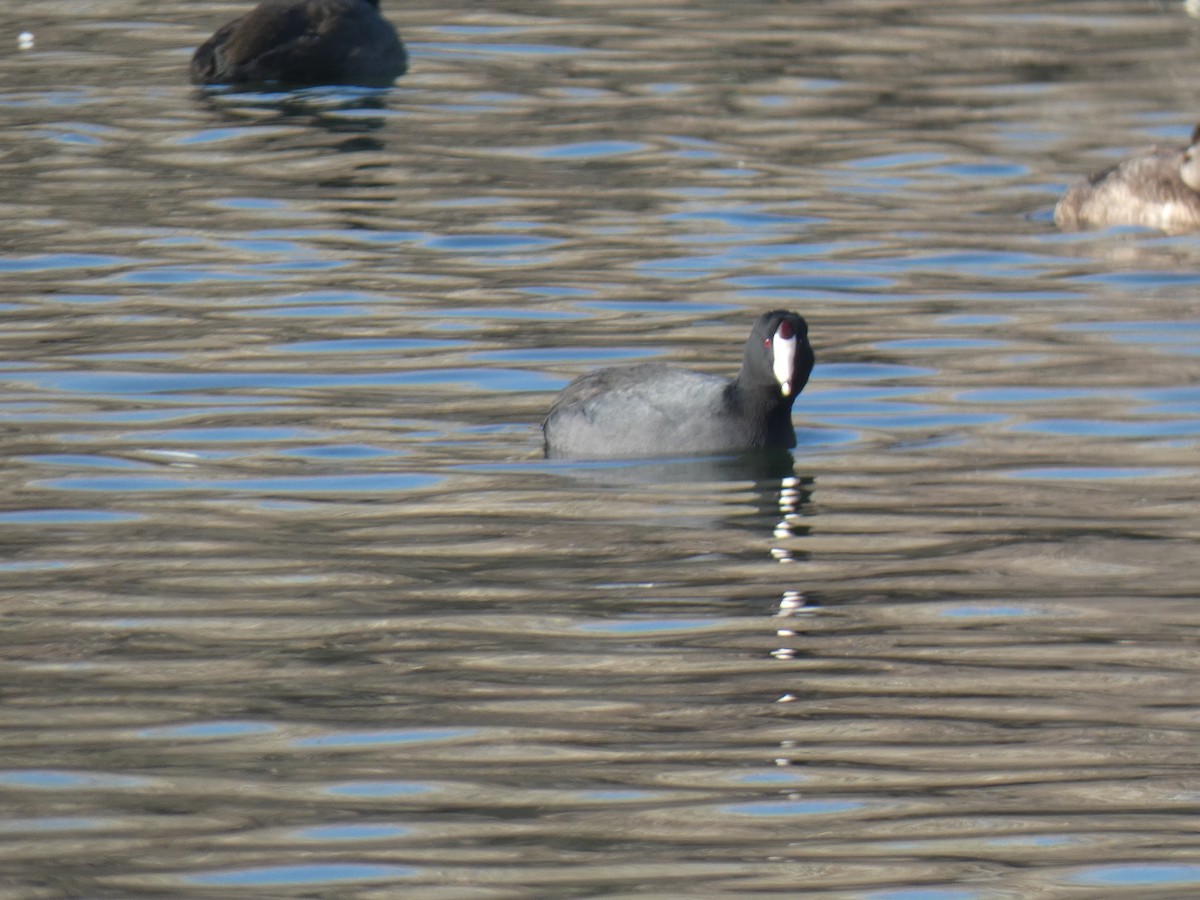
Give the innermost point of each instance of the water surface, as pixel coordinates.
(295, 606)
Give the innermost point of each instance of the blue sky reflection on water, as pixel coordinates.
(309, 874)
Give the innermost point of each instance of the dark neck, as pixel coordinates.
(764, 409)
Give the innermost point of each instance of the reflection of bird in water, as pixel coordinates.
(654, 410)
(304, 42)
(1156, 189)
(792, 493)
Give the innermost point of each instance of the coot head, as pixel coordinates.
(778, 353)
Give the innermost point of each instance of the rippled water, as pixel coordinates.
(294, 606)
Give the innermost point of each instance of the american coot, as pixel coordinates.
(1156, 189)
(304, 42)
(657, 410)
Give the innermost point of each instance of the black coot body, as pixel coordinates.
(304, 42)
(653, 409)
(1159, 188)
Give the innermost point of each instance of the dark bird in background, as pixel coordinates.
(304, 42)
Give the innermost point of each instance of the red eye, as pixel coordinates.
(766, 342)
